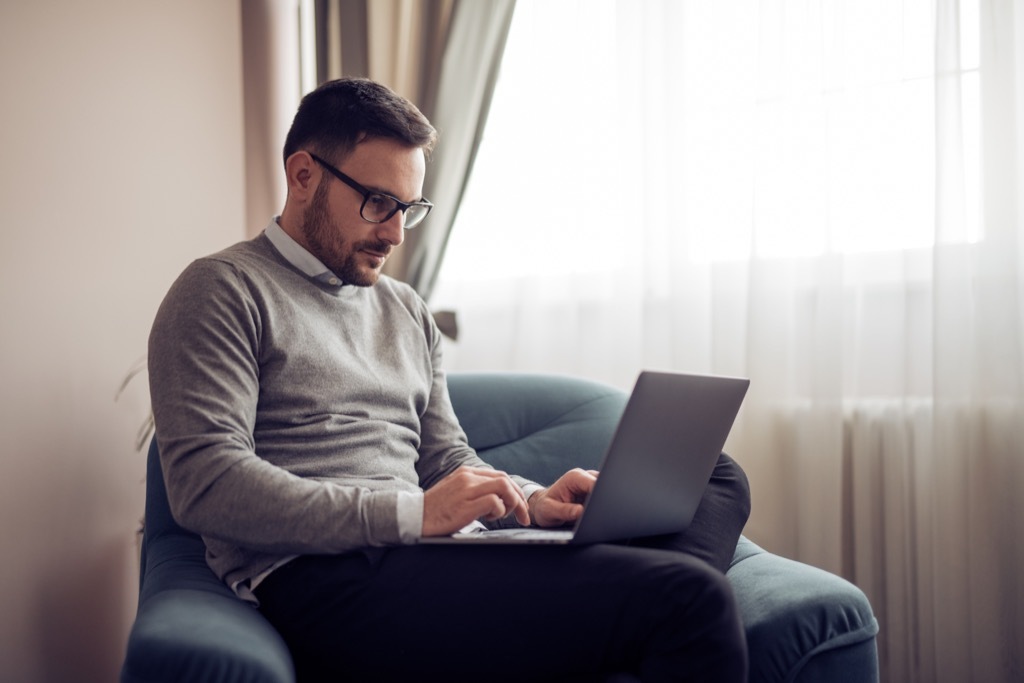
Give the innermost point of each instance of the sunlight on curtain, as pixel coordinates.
(822, 196)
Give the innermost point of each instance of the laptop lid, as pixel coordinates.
(661, 456)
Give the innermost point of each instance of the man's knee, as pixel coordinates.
(732, 481)
(704, 589)
(701, 636)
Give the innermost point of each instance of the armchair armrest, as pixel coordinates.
(803, 623)
(191, 627)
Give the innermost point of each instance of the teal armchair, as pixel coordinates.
(802, 624)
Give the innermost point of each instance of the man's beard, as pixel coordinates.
(325, 242)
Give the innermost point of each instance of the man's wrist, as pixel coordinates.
(530, 491)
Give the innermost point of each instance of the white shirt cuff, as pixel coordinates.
(530, 489)
(410, 516)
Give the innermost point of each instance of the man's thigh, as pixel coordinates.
(456, 612)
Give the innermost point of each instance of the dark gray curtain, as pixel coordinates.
(444, 55)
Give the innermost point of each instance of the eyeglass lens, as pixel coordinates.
(378, 208)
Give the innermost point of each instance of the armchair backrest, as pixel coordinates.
(537, 426)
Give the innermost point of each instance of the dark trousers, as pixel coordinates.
(659, 608)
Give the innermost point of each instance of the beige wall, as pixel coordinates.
(121, 150)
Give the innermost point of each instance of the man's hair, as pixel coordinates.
(338, 115)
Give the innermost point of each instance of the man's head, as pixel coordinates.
(354, 146)
(340, 114)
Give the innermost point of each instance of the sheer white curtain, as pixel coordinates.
(822, 196)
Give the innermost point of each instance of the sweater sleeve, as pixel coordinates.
(204, 385)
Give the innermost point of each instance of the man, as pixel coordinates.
(306, 433)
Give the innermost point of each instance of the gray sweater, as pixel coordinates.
(290, 414)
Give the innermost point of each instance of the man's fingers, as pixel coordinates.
(573, 486)
(557, 512)
(509, 495)
(485, 477)
(572, 511)
(522, 512)
(490, 507)
(486, 494)
(495, 481)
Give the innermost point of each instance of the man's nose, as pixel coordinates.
(392, 230)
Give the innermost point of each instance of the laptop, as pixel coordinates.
(655, 470)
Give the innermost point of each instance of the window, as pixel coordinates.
(714, 132)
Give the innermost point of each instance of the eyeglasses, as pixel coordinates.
(379, 207)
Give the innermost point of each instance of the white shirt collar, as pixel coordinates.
(296, 254)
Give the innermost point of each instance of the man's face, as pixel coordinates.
(352, 248)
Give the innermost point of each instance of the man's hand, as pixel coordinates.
(562, 502)
(471, 493)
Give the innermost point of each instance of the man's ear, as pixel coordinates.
(302, 175)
